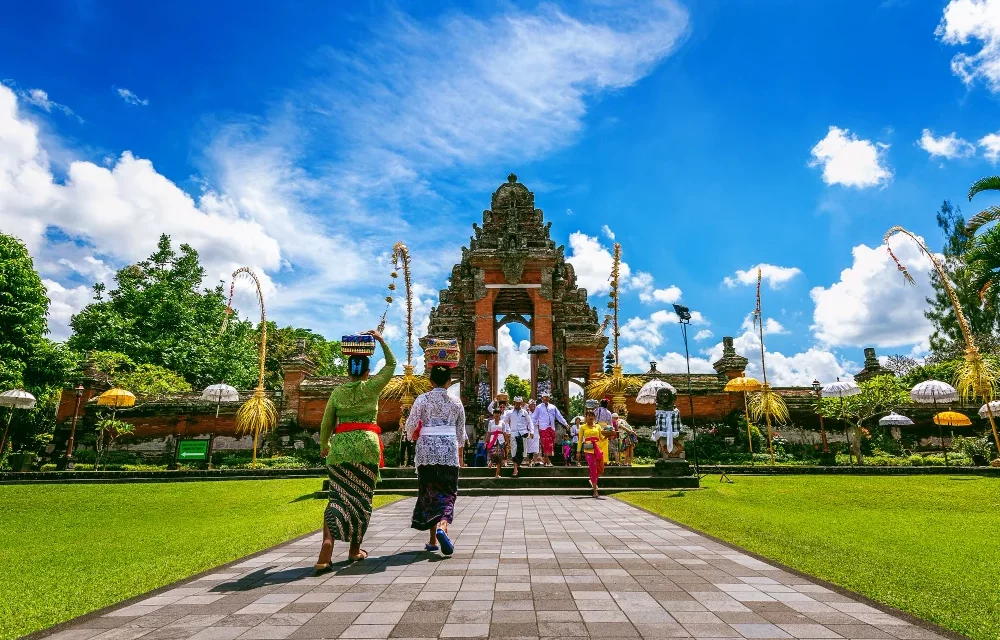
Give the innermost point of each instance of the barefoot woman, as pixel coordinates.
(437, 424)
(354, 456)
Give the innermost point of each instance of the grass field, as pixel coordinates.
(926, 545)
(66, 550)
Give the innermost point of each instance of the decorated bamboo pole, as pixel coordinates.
(766, 402)
(258, 415)
(977, 378)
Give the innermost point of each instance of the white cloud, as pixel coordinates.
(606, 230)
(512, 357)
(966, 21)
(63, 303)
(704, 334)
(775, 276)
(592, 263)
(850, 161)
(799, 369)
(949, 146)
(131, 98)
(636, 359)
(355, 309)
(39, 98)
(871, 305)
(643, 283)
(991, 145)
(648, 332)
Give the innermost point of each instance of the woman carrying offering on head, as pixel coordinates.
(437, 424)
(589, 444)
(354, 454)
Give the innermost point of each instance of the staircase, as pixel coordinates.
(570, 481)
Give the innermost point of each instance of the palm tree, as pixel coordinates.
(984, 256)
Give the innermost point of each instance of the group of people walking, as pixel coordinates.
(349, 439)
(351, 443)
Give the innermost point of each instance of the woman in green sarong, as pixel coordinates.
(354, 454)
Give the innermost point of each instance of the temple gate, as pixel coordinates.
(512, 271)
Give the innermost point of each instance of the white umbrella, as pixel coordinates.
(647, 394)
(994, 406)
(895, 420)
(933, 391)
(930, 391)
(15, 399)
(220, 393)
(840, 389)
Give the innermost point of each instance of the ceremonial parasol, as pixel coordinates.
(219, 393)
(841, 390)
(743, 385)
(14, 399)
(994, 406)
(930, 391)
(952, 419)
(647, 393)
(116, 398)
(894, 420)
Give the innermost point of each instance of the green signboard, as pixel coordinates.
(192, 450)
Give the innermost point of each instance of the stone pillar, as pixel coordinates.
(731, 364)
(296, 369)
(872, 367)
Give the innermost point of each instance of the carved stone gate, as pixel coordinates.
(512, 271)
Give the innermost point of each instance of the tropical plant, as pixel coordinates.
(879, 395)
(108, 430)
(514, 386)
(981, 308)
(118, 370)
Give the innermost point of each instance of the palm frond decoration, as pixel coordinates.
(982, 218)
(768, 404)
(977, 378)
(604, 385)
(407, 384)
(991, 183)
(258, 415)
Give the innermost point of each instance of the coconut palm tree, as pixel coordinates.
(984, 256)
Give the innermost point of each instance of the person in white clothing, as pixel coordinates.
(521, 428)
(532, 452)
(497, 439)
(545, 417)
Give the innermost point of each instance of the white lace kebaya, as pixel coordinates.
(442, 428)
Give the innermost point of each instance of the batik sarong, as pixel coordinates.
(352, 487)
(548, 437)
(497, 448)
(436, 493)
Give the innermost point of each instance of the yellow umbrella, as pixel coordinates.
(744, 384)
(116, 398)
(952, 419)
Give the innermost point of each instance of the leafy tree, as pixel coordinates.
(879, 395)
(159, 314)
(577, 406)
(118, 370)
(23, 306)
(900, 365)
(27, 358)
(945, 371)
(966, 276)
(283, 343)
(515, 386)
(108, 429)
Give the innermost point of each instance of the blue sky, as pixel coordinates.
(304, 139)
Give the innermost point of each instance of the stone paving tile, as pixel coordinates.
(524, 567)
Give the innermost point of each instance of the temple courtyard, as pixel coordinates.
(528, 567)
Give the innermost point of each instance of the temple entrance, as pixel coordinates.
(512, 273)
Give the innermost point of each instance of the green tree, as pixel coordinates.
(577, 406)
(283, 343)
(159, 314)
(879, 395)
(27, 358)
(966, 273)
(515, 386)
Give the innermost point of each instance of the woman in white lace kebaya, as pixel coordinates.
(437, 424)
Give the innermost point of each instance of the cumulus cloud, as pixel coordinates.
(512, 357)
(131, 98)
(63, 303)
(648, 332)
(850, 161)
(592, 263)
(704, 334)
(991, 146)
(949, 146)
(606, 230)
(976, 22)
(775, 276)
(870, 305)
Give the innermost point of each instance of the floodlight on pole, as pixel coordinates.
(684, 317)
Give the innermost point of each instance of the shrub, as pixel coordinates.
(973, 448)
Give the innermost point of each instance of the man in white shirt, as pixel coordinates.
(602, 415)
(518, 422)
(545, 417)
(532, 453)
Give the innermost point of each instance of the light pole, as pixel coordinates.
(818, 390)
(684, 317)
(72, 430)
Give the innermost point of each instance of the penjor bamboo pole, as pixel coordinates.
(746, 411)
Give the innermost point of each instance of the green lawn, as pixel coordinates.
(69, 549)
(926, 545)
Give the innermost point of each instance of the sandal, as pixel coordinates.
(360, 557)
(320, 569)
(447, 548)
(430, 547)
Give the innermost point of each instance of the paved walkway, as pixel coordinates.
(524, 567)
